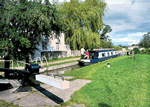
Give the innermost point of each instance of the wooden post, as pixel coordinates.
(132, 54)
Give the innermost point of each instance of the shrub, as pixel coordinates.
(148, 51)
(136, 51)
(143, 51)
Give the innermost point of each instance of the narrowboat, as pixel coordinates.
(97, 56)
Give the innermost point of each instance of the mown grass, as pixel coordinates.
(124, 84)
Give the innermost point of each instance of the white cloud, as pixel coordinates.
(131, 15)
(131, 38)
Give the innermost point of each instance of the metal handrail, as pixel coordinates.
(45, 59)
(21, 62)
(8, 60)
(40, 61)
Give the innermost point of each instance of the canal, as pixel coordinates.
(61, 70)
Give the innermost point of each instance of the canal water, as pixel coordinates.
(61, 70)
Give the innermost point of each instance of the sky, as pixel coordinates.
(129, 19)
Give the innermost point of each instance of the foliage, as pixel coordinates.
(136, 51)
(106, 44)
(117, 47)
(25, 23)
(133, 45)
(83, 20)
(125, 47)
(120, 45)
(143, 51)
(148, 51)
(145, 41)
(106, 30)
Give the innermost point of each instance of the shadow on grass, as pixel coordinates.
(50, 95)
(103, 105)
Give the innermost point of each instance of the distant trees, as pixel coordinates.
(133, 45)
(145, 41)
(23, 23)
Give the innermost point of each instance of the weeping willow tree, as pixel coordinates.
(83, 20)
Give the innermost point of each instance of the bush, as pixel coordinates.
(143, 51)
(148, 51)
(136, 51)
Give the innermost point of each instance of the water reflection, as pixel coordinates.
(61, 70)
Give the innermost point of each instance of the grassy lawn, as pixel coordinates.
(124, 84)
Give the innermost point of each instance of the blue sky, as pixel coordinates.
(129, 19)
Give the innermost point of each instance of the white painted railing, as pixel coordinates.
(21, 62)
(40, 60)
(45, 59)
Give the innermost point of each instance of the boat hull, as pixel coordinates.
(86, 62)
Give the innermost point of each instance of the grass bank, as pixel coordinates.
(124, 84)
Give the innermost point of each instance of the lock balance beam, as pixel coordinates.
(58, 83)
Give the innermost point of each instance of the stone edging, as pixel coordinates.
(57, 66)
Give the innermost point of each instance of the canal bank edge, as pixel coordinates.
(57, 66)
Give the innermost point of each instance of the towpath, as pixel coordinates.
(55, 62)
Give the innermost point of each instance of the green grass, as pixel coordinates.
(124, 84)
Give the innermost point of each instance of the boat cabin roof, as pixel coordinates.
(102, 50)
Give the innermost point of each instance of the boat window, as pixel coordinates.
(103, 54)
(93, 53)
(112, 53)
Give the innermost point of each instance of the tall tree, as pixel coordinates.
(83, 20)
(145, 41)
(23, 25)
(107, 29)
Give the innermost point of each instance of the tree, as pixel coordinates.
(133, 45)
(25, 23)
(136, 50)
(106, 44)
(120, 45)
(106, 30)
(145, 41)
(83, 20)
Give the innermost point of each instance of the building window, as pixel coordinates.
(57, 46)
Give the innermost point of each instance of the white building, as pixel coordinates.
(132, 47)
(56, 45)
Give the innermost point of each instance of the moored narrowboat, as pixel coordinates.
(97, 56)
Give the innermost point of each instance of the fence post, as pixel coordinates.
(132, 54)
